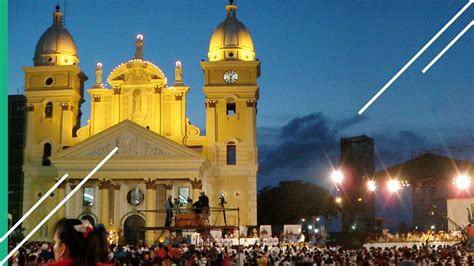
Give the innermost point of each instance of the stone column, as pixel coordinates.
(116, 218)
(196, 185)
(116, 105)
(61, 195)
(157, 108)
(72, 210)
(66, 119)
(211, 129)
(104, 186)
(150, 205)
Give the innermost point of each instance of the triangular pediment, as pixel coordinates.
(133, 141)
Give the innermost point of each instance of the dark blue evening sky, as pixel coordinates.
(318, 57)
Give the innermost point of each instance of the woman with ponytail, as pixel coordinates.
(78, 243)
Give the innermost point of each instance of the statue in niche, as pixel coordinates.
(137, 102)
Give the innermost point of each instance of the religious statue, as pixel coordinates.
(137, 102)
(98, 74)
(113, 233)
(178, 73)
(139, 47)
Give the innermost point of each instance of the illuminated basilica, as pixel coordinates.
(137, 109)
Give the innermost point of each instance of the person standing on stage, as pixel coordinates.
(169, 211)
(189, 206)
(204, 203)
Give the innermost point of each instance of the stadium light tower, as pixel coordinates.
(371, 186)
(462, 182)
(337, 176)
(393, 185)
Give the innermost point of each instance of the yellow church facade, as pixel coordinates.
(137, 109)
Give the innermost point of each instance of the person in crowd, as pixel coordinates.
(77, 243)
(470, 236)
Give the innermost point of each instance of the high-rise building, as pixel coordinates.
(16, 143)
(357, 165)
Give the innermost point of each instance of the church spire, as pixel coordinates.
(58, 16)
(231, 9)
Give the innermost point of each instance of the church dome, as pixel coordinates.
(231, 40)
(56, 46)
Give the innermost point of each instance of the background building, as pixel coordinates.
(16, 143)
(138, 110)
(357, 164)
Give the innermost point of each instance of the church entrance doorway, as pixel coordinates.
(130, 229)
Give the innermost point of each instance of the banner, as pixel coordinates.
(294, 229)
(458, 211)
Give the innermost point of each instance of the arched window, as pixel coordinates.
(48, 110)
(231, 109)
(231, 153)
(46, 154)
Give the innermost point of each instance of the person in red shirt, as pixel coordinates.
(77, 243)
(470, 236)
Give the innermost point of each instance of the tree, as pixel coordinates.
(290, 201)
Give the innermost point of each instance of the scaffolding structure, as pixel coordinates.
(195, 222)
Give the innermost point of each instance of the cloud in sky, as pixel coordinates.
(307, 147)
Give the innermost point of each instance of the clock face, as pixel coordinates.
(230, 77)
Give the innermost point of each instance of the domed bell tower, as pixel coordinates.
(54, 90)
(231, 89)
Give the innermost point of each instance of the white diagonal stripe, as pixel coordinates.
(447, 47)
(34, 207)
(59, 205)
(385, 87)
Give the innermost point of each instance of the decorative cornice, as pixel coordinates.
(116, 186)
(63, 184)
(151, 184)
(178, 96)
(64, 106)
(168, 186)
(73, 185)
(211, 103)
(117, 90)
(96, 98)
(158, 89)
(105, 184)
(251, 103)
(196, 183)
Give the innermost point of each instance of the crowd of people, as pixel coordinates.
(415, 236)
(36, 253)
(78, 243)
